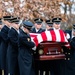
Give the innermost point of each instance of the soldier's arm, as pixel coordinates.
(13, 36)
(4, 33)
(27, 42)
(72, 42)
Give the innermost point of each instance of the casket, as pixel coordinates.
(50, 51)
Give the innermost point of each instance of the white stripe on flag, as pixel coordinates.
(49, 36)
(57, 35)
(65, 38)
(39, 37)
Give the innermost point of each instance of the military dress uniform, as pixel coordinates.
(0, 54)
(39, 31)
(58, 65)
(38, 64)
(3, 47)
(4, 44)
(49, 64)
(12, 51)
(25, 57)
(0, 49)
(38, 21)
(70, 60)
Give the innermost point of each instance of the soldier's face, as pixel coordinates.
(26, 30)
(74, 32)
(7, 23)
(48, 27)
(0, 26)
(38, 26)
(15, 25)
(56, 26)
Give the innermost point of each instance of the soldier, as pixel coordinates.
(37, 26)
(4, 42)
(56, 23)
(38, 29)
(70, 61)
(59, 65)
(25, 56)
(12, 51)
(0, 43)
(49, 25)
(49, 64)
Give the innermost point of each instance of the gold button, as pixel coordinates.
(68, 53)
(68, 58)
(62, 50)
(65, 58)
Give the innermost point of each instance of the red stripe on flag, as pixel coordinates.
(67, 45)
(62, 36)
(53, 35)
(36, 41)
(44, 37)
(35, 38)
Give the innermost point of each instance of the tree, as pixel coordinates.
(46, 9)
(68, 6)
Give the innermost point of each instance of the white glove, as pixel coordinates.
(34, 48)
(67, 36)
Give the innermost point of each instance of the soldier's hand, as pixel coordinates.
(73, 33)
(15, 26)
(6, 23)
(34, 48)
(1, 26)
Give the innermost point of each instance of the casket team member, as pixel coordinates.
(12, 51)
(25, 45)
(4, 42)
(70, 61)
(38, 29)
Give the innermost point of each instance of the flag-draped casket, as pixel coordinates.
(56, 36)
(49, 44)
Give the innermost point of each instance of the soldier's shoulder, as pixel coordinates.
(67, 31)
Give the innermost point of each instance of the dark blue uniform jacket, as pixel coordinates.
(71, 55)
(25, 53)
(3, 46)
(40, 30)
(12, 51)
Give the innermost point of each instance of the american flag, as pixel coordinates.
(56, 36)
